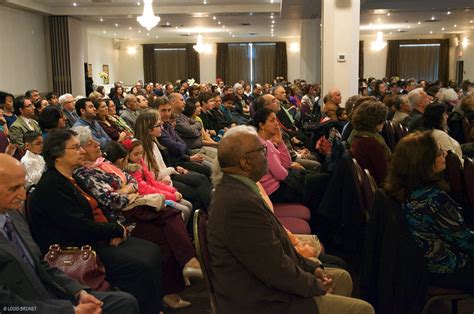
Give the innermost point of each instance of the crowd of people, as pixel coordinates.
(124, 172)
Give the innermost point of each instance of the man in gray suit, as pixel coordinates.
(25, 110)
(27, 282)
(254, 266)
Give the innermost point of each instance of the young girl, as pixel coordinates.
(147, 184)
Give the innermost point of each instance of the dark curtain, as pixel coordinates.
(265, 63)
(443, 68)
(60, 58)
(422, 64)
(239, 63)
(393, 58)
(222, 61)
(361, 59)
(149, 67)
(170, 64)
(281, 61)
(192, 63)
(419, 62)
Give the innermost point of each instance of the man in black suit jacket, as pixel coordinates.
(27, 282)
(254, 266)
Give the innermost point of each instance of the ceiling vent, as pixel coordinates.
(432, 21)
(252, 34)
(245, 24)
(101, 1)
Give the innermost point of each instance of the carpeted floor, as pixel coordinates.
(197, 295)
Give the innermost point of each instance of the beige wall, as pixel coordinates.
(23, 60)
(101, 51)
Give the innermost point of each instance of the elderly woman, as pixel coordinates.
(114, 117)
(367, 146)
(63, 213)
(435, 118)
(114, 190)
(433, 217)
(102, 113)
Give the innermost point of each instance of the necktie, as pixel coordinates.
(15, 241)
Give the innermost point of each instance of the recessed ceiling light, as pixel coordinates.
(455, 25)
(101, 19)
(167, 23)
(104, 32)
(399, 30)
(448, 13)
(138, 3)
(431, 32)
(443, 29)
(273, 22)
(219, 22)
(388, 14)
(176, 27)
(204, 2)
(271, 16)
(390, 33)
(272, 35)
(139, 31)
(271, 1)
(213, 17)
(471, 21)
(419, 22)
(74, 4)
(130, 28)
(408, 27)
(432, 18)
(116, 24)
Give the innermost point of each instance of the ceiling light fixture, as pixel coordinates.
(116, 24)
(200, 46)
(379, 43)
(448, 13)
(431, 32)
(432, 18)
(148, 19)
(388, 14)
(213, 17)
(419, 23)
(455, 25)
(74, 4)
(101, 19)
(443, 29)
(465, 42)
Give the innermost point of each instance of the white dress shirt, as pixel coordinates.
(34, 166)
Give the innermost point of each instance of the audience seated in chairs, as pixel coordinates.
(25, 111)
(27, 280)
(282, 281)
(432, 216)
(285, 181)
(367, 146)
(132, 264)
(194, 187)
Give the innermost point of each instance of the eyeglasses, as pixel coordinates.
(262, 148)
(158, 125)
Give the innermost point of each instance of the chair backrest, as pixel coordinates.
(469, 180)
(369, 187)
(388, 134)
(466, 127)
(400, 131)
(358, 175)
(200, 243)
(454, 176)
(27, 204)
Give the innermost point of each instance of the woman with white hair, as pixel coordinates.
(240, 104)
(449, 97)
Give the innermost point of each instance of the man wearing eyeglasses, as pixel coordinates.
(255, 267)
(24, 109)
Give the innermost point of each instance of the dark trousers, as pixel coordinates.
(195, 187)
(196, 167)
(135, 267)
(165, 228)
(117, 302)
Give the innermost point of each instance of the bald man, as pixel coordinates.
(28, 281)
(250, 250)
(330, 107)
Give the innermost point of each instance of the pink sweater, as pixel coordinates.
(148, 185)
(279, 161)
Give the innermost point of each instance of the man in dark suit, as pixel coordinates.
(28, 282)
(254, 266)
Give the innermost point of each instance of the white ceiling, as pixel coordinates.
(252, 18)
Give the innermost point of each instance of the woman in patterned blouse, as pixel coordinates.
(433, 217)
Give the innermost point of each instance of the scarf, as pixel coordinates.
(379, 138)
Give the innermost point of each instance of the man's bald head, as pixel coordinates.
(233, 146)
(177, 102)
(268, 101)
(12, 180)
(334, 95)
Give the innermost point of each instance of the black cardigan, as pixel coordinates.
(60, 214)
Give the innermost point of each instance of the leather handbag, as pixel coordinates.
(82, 264)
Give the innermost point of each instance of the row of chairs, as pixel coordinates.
(392, 133)
(460, 179)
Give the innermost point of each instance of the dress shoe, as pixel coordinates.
(169, 302)
(192, 269)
